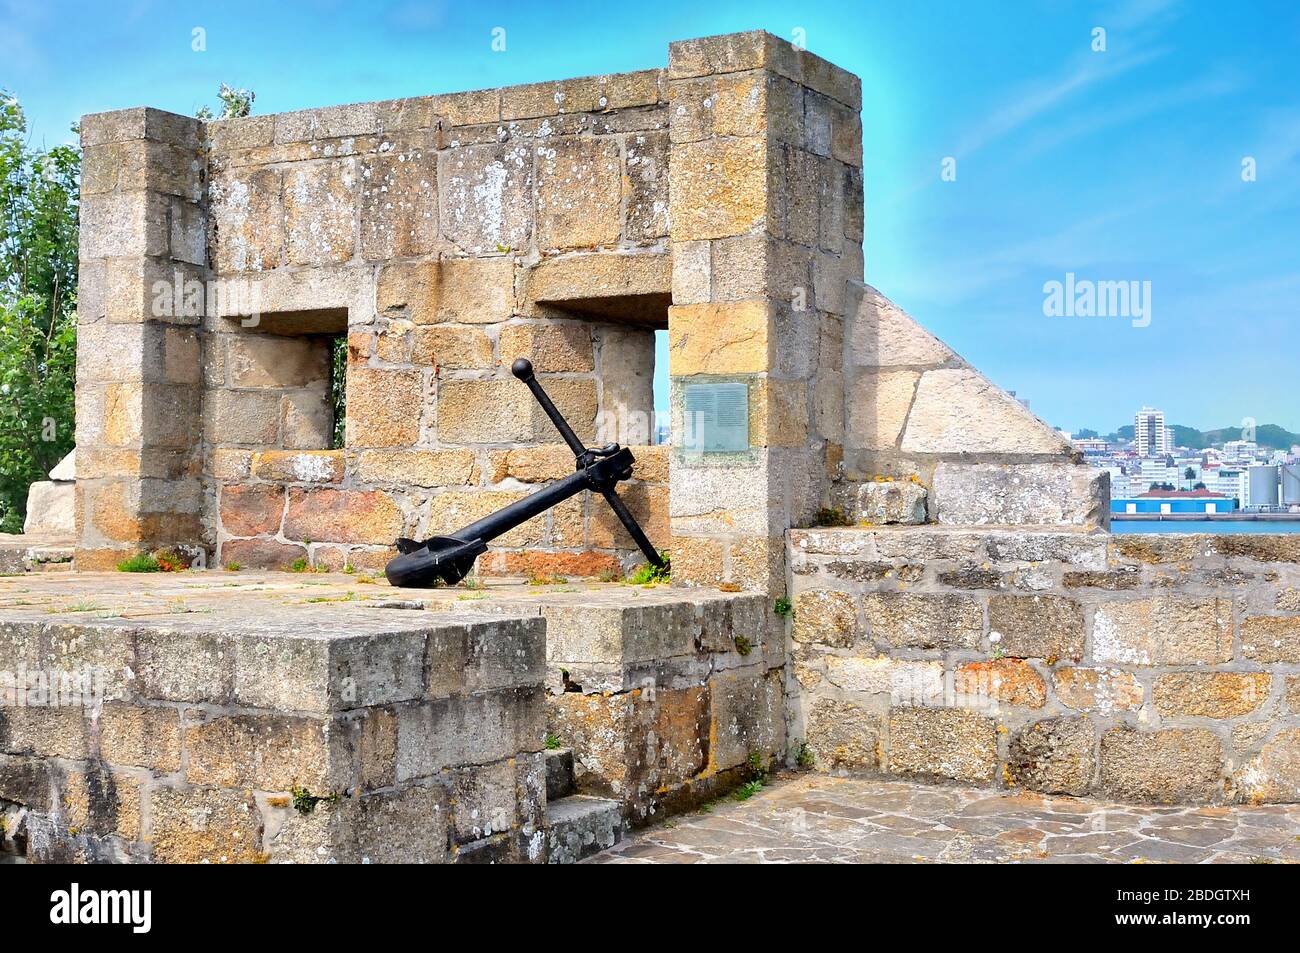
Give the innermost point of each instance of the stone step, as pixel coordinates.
(579, 826)
(559, 773)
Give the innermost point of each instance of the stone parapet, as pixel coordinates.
(667, 698)
(1155, 668)
(266, 733)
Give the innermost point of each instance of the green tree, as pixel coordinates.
(38, 282)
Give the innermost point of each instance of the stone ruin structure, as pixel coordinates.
(972, 620)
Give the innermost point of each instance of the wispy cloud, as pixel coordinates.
(1039, 99)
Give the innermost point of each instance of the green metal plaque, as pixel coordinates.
(718, 417)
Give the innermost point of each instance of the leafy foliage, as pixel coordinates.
(38, 280)
(235, 104)
(650, 575)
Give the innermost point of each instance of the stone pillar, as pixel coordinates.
(139, 376)
(766, 228)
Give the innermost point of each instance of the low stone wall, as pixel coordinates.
(286, 717)
(668, 703)
(1148, 668)
(275, 739)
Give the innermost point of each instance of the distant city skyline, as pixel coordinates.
(1007, 150)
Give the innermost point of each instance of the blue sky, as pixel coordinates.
(1122, 165)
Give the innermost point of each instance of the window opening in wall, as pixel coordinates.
(662, 433)
(338, 388)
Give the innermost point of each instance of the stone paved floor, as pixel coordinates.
(816, 817)
(216, 599)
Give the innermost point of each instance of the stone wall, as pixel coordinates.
(139, 372)
(462, 232)
(667, 703)
(1151, 668)
(916, 412)
(444, 236)
(292, 741)
(767, 226)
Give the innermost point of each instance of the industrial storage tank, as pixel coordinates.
(1263, 485)
(1291, 484)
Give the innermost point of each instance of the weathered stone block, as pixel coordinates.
(99, 801)
(904, 681)
(320, 211)
(891, 501)
(1103, 690)
(468, 729)
(1154, 548)
(342, 516)
(141, 122)
(487, 196)
(286, 466)
(1036, 494)
(748, 717)
(550, 346)
(880, 334)
(262, 752)
(726, 338)
(609, 281)
(825, 616)
(1271, 639)
(276, 361)
(484, 656)
(246, 417)
(1277, 548)
(455, 290)
(877, 408)
(1006, 681)
(1054, 756)
(502, 411)
(418, 467)
(184, 666)
(958, 411)
(1118, 581)
(261, 553)
(728, 105)
(646, 175)
(1165, 630)
(306, 419)
(579, 192)
(915, 620)
(383, 408)
(482, 801)
(399, 204)
(720, 187)
(1210, 694)
(251, 510)
(1173, 766)
(951, 743)
(248, 217)
(1272, 776)
(1037, 626)
(122, 224)
(843, 735)
(204, 825)
(452, 348)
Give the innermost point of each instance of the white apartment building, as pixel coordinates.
(1150, 434)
